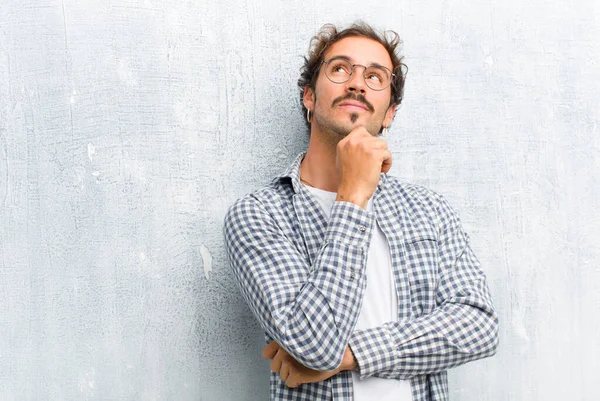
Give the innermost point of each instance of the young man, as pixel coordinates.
(366, 287)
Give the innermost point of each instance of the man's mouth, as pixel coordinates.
(354, 106)
(353, 103)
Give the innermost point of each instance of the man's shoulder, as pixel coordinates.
(272, 196)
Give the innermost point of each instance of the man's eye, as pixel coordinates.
(340, 68)
(374, 77)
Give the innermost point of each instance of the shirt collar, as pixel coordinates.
(293, 173)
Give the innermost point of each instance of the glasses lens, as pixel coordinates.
(377, 78)
(338, 71)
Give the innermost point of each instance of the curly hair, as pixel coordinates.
(329, 34)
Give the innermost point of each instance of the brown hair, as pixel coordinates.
(329, 34)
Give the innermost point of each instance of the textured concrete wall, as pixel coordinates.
(127, 128)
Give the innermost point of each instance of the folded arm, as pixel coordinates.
(462, 327)
(310, 310)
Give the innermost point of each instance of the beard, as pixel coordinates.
(340, 128)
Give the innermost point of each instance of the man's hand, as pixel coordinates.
(293, 373)
(361, 158)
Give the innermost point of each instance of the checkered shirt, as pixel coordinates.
(303, 277)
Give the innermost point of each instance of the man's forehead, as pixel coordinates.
(360, 50)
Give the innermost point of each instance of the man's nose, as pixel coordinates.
(356, 83)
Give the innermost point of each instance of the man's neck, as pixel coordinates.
(318, 169)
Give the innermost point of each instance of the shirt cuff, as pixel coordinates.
(351, 224)
(371, 349)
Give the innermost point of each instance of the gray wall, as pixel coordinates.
(128, 127)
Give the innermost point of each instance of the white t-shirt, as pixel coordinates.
(380, 305)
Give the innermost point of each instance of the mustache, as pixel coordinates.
(354, 96)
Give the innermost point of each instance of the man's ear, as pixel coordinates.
(389, 115)
(309, 98)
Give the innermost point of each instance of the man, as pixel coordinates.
(366, 287)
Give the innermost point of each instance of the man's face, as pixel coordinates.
(339, 108)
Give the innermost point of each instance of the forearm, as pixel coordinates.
(310, 310)
(461, 327)
(449, 336)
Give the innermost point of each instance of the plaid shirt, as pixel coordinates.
(304, 277)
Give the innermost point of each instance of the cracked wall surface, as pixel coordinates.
(128, 127)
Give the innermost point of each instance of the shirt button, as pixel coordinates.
(362, 229)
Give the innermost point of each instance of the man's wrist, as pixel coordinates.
(359, 200)
(349, 361)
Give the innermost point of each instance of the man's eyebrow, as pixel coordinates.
(378, 65)
(348, 59)
(341, 57)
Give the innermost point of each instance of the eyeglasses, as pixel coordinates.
(339, 70)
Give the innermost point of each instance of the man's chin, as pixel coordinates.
(342, 128)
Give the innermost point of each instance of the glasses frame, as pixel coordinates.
(393, 76)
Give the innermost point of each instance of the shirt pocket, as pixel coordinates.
(421, 260)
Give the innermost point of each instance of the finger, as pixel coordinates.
(386, 165)
(292, 383)
(373, 144)
(284, 373)
(358, 132)
(276, 362)
(292, 380)
(270, 350)
(379, 144)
